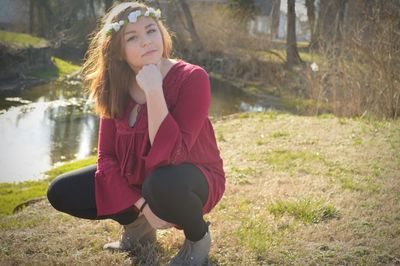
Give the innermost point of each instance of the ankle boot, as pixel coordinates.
(193, 253)
(139, 231)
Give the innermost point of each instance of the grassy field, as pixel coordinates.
(300, 191)
(61, 69)
(22, 40)
(19, 193)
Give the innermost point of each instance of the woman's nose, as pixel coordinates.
(146, 41)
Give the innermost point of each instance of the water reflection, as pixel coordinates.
(227, 99)
(53, 123)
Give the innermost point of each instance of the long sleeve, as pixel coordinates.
(181, 127)
(113, 193)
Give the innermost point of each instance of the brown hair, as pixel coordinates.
(106, 73)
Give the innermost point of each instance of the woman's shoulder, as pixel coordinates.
(185, 66)
(186, 70)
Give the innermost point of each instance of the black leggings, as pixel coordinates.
(175, 193)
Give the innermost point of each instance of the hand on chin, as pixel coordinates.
(152, 61)
(149, 77)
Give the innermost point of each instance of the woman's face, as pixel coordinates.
(140, 38)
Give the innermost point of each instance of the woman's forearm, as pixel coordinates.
(139, 203)
(156, 111)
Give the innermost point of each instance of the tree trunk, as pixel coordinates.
(275, 15)
(46, 15)
(107, 5)
(192, 29)
(157, 4)
(331, 19)
(340, 20)
(310, 5)
(31, 16)
(92, 9)
(292, 53)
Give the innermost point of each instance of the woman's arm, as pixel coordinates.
(149, 78)
(156, 110)
(174, 133)
(113, 193)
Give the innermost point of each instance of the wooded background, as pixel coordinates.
(354, 44)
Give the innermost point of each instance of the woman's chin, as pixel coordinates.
(153, 60)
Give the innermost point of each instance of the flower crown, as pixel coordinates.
(132, 18)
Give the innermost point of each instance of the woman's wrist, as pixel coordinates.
(139, 203)
(142, 207)
(155, 92)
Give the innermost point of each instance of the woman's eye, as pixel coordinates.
(151, 31)
(131, 38)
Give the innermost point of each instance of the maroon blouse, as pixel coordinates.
(126, 157)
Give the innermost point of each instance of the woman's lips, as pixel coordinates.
(150, 52)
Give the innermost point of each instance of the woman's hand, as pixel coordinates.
(154, 221)
(149, 78)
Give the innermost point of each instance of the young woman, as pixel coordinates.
(158, 162)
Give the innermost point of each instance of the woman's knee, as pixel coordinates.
(73, 190)
(163, 184)
(54, 192)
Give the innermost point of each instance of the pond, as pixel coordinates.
(49, 124)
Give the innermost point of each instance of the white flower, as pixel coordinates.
(133, 16)
(151, 10)
(108, 27)
(158, 13)
(116, 26)
(314, 67)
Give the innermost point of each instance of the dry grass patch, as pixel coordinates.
(307, 195)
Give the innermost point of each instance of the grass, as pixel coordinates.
(22, 40)
(299, 191)
(279, 134)
(256, 235)
(13, 194)
(70, 166)
(306, 210)
(61, 69)
(293, 161)
(242, 175)
(276, 55)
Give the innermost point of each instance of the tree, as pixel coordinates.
(107, 5)
(196, 42)
(243, 12)
(310, 5)
(41, 18)
(246, 6)
(292, 54)
(330, 23)
(275, 15)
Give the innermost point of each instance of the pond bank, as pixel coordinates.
(28, 61)
(58, 70)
